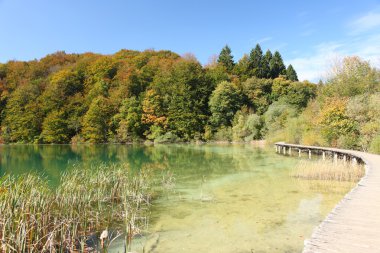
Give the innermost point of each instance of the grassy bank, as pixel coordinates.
(328, 171)
(36, 218)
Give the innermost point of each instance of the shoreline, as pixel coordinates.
(340, 231)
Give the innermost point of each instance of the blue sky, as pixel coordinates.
(309, 34)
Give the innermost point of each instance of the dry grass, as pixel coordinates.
(328, 171)
(36, 218)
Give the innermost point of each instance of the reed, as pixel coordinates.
(37, 218)
(328, 171)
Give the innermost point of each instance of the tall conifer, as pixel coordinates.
(291, 74)
(226, 58)
(276, 65)
(266, 60)
(256, 61)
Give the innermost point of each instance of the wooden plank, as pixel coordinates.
(353, 226)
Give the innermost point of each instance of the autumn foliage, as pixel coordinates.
(128, 96)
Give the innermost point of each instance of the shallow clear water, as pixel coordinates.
(227, 198)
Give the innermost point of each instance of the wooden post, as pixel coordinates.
(284, 150)
(290, 151)
(344, 158)
(299, 152)
(309, 154)
(323, 155)
(276, 148)
(335, 158)
(354, 161)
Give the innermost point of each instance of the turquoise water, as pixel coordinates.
(226, 198)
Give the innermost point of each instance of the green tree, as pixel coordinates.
(216, 74)
(276, 65)
(266, 64)
(375, 145)
(153, 111)
(352, 76)
(254, 126)
(62, 85)
(297, 94)
(95, 122)
(291, 74)
(256, 62)
(23, 117)
(103, 68)
(365, 111)
(277, 116)
(75, 110)
(258, 92)
(335, 124)
(187, 91)
(246, 127)
(130, 126)
(226, 58)
(300, 93)
(242, 68)
(280, 88)
(55, 129)
(225, 101)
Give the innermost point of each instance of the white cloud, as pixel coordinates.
(365, 23)
(262, 40)
(364, 41)
(369, 49)
(315, 66)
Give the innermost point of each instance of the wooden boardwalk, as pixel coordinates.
(354, 224)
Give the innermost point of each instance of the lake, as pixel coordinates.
(226, 198)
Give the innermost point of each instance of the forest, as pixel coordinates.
(160, 96)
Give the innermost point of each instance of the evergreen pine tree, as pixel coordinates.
(276, 65)
(242, 68)
(266, 60)
(226, 58)
(256, 61)
(291, 74)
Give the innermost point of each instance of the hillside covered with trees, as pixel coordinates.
(134, 96)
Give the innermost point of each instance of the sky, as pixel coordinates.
(310, 35)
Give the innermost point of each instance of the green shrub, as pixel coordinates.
(254, 125)
(277, 115)
(168, 137)
(154, 132)
(375, 145)
(246, 126)
(223, 134)
(293, 130)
